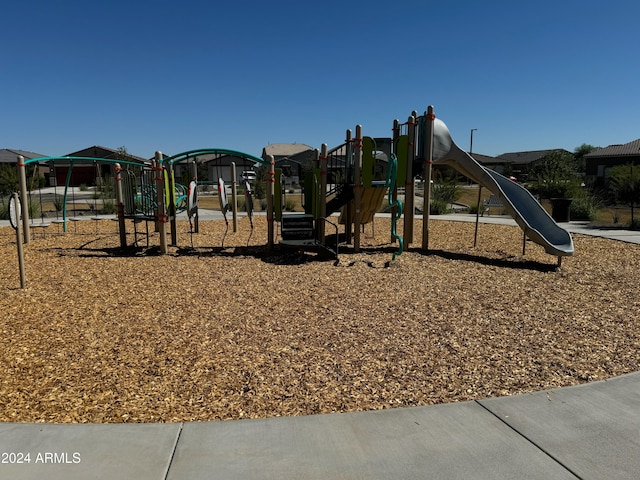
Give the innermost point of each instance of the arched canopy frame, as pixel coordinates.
(72, 161)
(180, 157)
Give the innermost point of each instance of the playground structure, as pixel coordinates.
(351, 178)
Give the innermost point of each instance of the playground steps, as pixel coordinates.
(298, 231)
(297, 226)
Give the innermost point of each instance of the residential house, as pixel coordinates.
(519, 164)
(598, 162)
(292, 158)
(88, 172)
(10, 156)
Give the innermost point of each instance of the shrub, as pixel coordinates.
(584, 208)
(445, 190)
(109, 206)
(289, 206)
(438, 207)
(58, 203)
(34, 208)
(83, 187)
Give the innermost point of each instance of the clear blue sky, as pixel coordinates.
(173, 76)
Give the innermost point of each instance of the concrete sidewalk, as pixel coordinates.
(579, 227)
(590, 431)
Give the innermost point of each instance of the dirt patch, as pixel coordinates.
(210, 333)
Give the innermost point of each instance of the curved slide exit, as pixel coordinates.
(534, 220)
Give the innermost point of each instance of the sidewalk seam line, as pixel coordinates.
(173, 452)
(548, 454)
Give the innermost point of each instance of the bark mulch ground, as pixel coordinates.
(210, 332)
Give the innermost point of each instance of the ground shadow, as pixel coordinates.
(511, 263)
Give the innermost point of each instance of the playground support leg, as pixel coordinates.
(23, 279)
(427, 166)
(323, 191)
(22, 176)
(234, 197)
(349, 207)
(357, 188)
(120, 207)
(270, 210)
(173, 221)
(196, 217)
(162, 213)
(409, 197)
(475, 234)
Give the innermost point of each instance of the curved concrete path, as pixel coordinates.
(591, 431)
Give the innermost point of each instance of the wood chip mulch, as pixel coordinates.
(210, 332)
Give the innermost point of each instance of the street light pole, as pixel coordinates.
(471, 141)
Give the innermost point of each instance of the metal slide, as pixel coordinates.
(534, 220)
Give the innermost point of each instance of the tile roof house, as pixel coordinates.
(87, 172)
(519, 164)
(599, 161)
(293, 158)
(297, 152)
(10, 155)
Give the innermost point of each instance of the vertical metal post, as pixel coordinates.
(173, 214)
(475, 234)
(161, 212)
(234, 197)
(22, 177)
(15, 202)
(120, 206)
(427, 166)
(357, 187)
(409, 193)
(394, 194)
(196, 220)
(349, 207)
(323, 191)
(271, 173)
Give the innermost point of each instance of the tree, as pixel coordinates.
(579, 153)
(8, 179)
(624, 183)
(555, 175)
